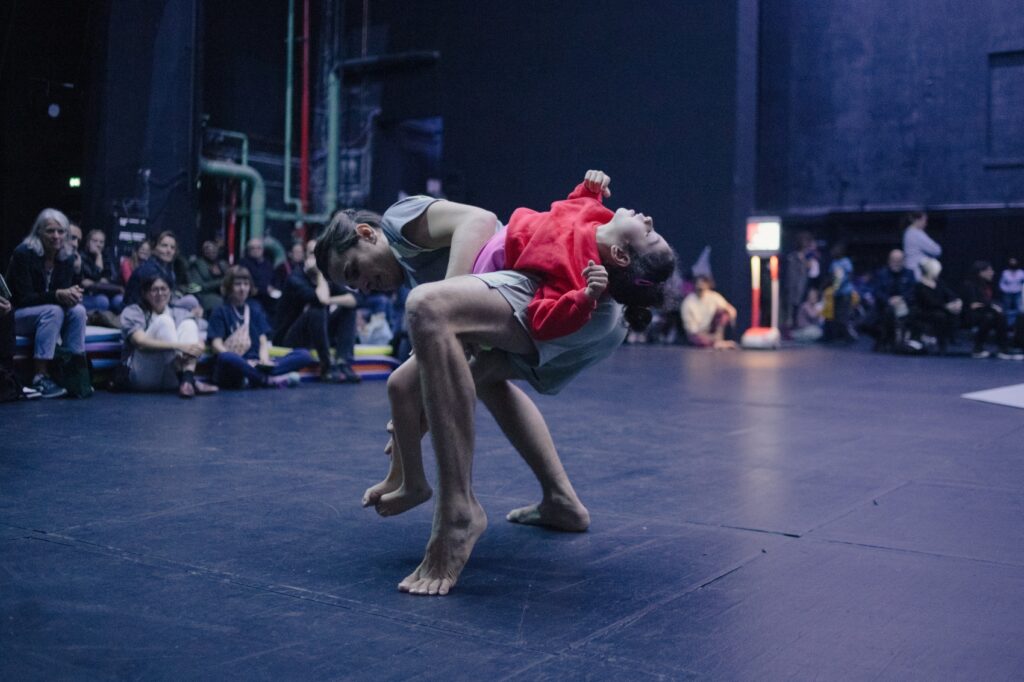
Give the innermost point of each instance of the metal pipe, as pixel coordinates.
(288, 91)
(258, 196)
(296, 217)
(333, 135)
(236, 135)
(304, 123)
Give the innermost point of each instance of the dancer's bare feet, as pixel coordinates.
(558, 514)
(373, 494)
(447, 553)
(402, 500)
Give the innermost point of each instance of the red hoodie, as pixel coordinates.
(557, 245)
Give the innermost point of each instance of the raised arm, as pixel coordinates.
(462, 227)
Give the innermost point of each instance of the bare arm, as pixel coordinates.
(462, 227)
(265, 350)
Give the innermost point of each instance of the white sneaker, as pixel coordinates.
(980, 354)
(29, 393)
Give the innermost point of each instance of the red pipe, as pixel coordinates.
(304, 168)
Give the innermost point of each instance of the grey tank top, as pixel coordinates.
(420, 264)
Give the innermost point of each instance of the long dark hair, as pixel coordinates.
(640, 285)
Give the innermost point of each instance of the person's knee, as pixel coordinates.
(425, 310)
(402, 384)
(50, 314)
(188, 331)
(76, 313)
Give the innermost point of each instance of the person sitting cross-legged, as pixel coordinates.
(707, 316)
(238, 335)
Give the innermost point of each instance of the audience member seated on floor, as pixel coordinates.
(238, 336)
(161, 263)
(261, 268)
(809, 319)
(74, 243)
(47, 303)
(161, 343)
(315, 314)
(916, 242)
(892, 289)
(98, 276)
(934, 309)
(985, 313)
(206, 271)
(707, 316)
(129, 264)
(841, 271)
(296, 259)
(802, 272)
(1011, 282)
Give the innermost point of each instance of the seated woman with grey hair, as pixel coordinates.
(47, 303)
(161, 343)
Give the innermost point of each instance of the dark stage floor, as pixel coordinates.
(811, 513)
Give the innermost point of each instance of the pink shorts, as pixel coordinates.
(492, 257)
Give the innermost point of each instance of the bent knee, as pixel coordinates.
(51, 312)
(425, 309)
(402, 382)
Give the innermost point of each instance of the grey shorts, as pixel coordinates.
(557, 361)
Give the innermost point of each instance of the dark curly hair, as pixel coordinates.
(640, 285)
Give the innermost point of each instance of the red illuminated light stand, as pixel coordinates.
(764, 234)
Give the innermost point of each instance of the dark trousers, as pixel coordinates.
(938, 323)
(319, 330)
(989, 321)
(7, 340)
(231, 370)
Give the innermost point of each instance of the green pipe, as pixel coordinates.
(288, 91)
(333, 126)
(235, 135)
(257, 198)
(297, 216)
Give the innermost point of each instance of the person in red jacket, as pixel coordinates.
(565, 259)
(578, 249)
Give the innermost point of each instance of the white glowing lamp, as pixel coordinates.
(764, 236)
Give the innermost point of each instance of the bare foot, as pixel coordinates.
(447, 552)
(373, 494)
(565, 515)
(401, 500)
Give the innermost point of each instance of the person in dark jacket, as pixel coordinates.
(98, 275)
(934, 310)
(985, 313)
(892, 287)
(161, 263)
(306, 320)
(47, 302)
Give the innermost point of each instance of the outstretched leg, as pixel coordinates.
(442, 316)
(524, 426)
